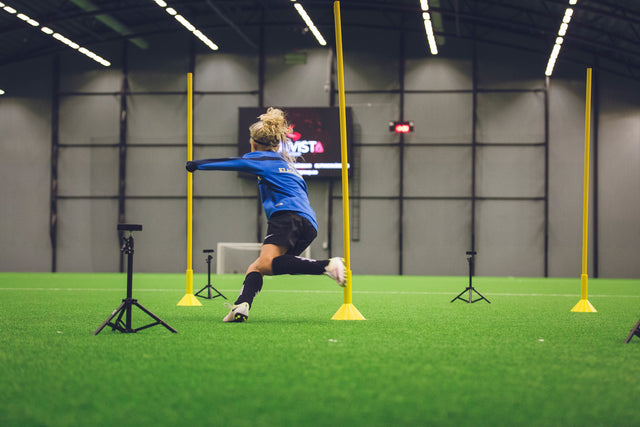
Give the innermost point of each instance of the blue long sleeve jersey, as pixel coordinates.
(281, 186)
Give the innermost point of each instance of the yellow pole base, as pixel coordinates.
(189, 300)
(348, 312)
(584, 306)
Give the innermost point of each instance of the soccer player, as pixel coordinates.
(292, 224)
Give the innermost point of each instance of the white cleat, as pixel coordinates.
(335, 270)
(238, 313)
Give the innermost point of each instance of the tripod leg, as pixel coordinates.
(116, 311)
(481, 297)
(218, 292)
(126, 312)
(209, 288)
(156, 318)
(459, 295)
(634, 331)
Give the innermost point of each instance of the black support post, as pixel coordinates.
(594, 120)
(474, 142)
(261, 61)
(261, 80)
(546, 177)
(55, 146)
(122, 147)
(401, 73)
(332, 103)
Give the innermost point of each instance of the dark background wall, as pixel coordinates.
(495, 161)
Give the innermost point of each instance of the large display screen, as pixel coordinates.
(314, 138)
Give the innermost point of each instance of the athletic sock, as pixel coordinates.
(250, 288)
(289, 264)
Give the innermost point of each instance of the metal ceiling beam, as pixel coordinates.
(494, 23)
(613, 42)
(232, 24)
(110, 22)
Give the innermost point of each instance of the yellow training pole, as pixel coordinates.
(189, 299)
(584, 306)
(348, 311)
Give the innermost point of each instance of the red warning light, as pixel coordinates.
(401, 127)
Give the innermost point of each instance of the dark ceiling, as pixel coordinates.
(602, 32)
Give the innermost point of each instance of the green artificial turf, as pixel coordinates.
(418, 359)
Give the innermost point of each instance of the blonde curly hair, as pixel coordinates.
(271, 130)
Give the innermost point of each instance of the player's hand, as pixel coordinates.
(192, 166)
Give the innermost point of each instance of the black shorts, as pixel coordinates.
(290, 230)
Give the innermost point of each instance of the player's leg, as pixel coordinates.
(253, 282)
(300, 237)
(291, 264)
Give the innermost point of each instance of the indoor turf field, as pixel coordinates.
(524, 359)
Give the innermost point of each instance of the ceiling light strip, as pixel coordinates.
(428, 26)
(307, 20)
(188, 25)
(562, 31)
(57, 36)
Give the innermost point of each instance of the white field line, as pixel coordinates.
(312, 291)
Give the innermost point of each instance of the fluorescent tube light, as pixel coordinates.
(562, 32)
(188, 25)
(428, 27)
(76, 46)
(185, 23)
(57, 36)
(563, 29)
(307, 20)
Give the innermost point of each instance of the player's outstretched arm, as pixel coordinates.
(226, 164)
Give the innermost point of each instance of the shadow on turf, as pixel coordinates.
(273, 320)
(212, 318)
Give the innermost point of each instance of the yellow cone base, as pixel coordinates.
(348, 312)
(584, 306)
(189, 300)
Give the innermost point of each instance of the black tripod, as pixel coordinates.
(470, 288)
(208, 287)
(634, 332)
(125, 308)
